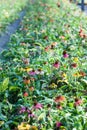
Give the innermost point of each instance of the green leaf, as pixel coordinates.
(14, 88)
(4, 85)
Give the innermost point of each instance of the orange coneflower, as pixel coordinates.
(59, 99)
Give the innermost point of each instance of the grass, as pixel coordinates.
(9, 11)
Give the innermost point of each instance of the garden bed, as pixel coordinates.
(43, 74)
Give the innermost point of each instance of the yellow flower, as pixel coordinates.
(27, 69)
(53, 85)
(76, 74)
(64, 75)
(75, 59)
(24, 126)
(63, 81)
(33, 128)
(1, 123)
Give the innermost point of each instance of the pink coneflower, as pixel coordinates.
(30, 114)
(78, 102)
(59, 107)
(37, 106)
(22, 110)
(39, 72)
(56, 64)
(33, 72)
(65, 54)
(25, 94)
(58, 124)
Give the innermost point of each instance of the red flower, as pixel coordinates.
(74, 65)
(59, 99)
(82, 73)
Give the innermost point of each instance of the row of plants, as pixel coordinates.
(43, 74)
(9, 11)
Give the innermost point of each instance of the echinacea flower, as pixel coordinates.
(22, 110)
(26, 61)
(25, 94)
(47, 48)
(59, 107)
(78, 102)
(81, 73)
(23, 44)
(58, 124)
(37, 106)
(30, 114)
(31, 88)
(33, 72)
(73, 65)
(39, 72)
(26, 81)
(65, 54)
(59, 99)
(56, 64)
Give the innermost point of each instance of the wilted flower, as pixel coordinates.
(58, 4)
